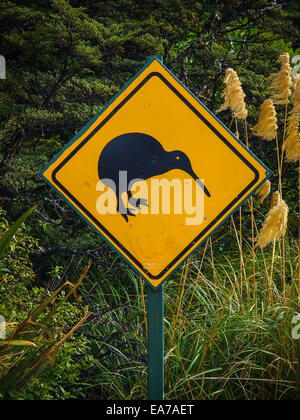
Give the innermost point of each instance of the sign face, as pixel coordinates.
(155, 173)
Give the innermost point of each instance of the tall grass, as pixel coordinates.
(218, 344)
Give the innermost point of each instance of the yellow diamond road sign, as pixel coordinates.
(155, 172)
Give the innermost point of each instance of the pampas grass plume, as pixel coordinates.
(266, 126)
(264, 191)
(292, 142)
(275, 199)
(292, 145)
(296, 93)
(282, 81)
(234, 96)
(274, 226)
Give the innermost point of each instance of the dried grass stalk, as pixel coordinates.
(274, 226)
(234, 96)
(282, 81)
(264, 191)
(266, 126)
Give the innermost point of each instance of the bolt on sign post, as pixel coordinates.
(155, 173)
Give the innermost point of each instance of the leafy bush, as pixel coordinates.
(38, 325)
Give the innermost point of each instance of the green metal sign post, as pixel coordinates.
(155, 344)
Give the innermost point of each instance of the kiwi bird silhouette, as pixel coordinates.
(142, 157)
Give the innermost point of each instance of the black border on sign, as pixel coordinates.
(102, 228)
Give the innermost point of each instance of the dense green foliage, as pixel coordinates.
(65, 60)
(36, 323)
